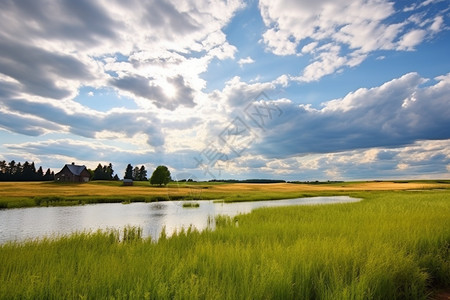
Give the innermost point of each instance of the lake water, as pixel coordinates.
(37, 222)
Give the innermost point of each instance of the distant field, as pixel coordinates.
(391, 245)
(25, 194)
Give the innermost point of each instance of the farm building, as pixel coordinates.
(73, 173)
(127, 182)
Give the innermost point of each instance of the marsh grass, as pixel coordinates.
(392, 245)
(27, 194)
(191, 204)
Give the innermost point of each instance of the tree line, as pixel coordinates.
(103, 173)
(161, 175)
(136, 173)
(106, 172)
(13, 171)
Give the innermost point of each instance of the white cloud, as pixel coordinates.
(365, 118)
(244, 61)
(437, 24)
(52, 50)
(353, 28)
(412, 39)
(309, 47)
(156, 53)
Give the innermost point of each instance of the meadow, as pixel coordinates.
(28, 194)
(391, 245)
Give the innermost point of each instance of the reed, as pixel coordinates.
(391, 245)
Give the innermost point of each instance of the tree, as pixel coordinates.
(128, 172)
(27, 172)
(110, 172)
(40, 174)
(33, 171)
(136, 175)
(48, 175)
(143, 173)
(17, 175)
(98, 173)
(11, 170)
(3, 170)
(160, 176)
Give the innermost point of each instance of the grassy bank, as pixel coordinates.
(392, 245)
(27, 194)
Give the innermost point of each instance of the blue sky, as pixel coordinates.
(295, 90)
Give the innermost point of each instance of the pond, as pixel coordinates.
(38, 222)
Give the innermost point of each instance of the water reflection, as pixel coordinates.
(37, 222)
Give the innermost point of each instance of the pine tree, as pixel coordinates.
(48, 175)
(110, 172)
(98, 173)
(143, 173)
(129, 172)
(33, 172)
(136, 175)
(40, 174)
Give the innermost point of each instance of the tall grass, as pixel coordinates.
(26, 194)
(392, 245)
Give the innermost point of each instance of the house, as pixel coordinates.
(73, 173)
(127, 182)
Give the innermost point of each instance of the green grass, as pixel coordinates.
(20, 202)
(392, 245)
(191, 204)
(26, 194)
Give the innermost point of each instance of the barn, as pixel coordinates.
(73, 173)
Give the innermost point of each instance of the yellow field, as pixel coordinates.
(33, 189)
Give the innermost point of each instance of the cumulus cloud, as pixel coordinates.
(39, 71)
(397, 113)
(411, 39)
(83, 150)
(53, 48)
(244, 61)
(342, 33)
(143, 87)
(39, 117)
(422, 159)
(27, 125)
(237, 93)
(151, 52)
(154, 53)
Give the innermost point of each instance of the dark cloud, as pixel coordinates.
(81, 22)
(41, 42)
(139, 86)
(184, 93)
(51, 48)
(143, 87)
(25, 124)
(395, 114)
(164, 15)
(386, 155)
(50, 117)
(82, 150)
(37, 70)
(8, 89)
(96, 151)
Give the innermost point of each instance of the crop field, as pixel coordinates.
(26, 194)
(394, 244)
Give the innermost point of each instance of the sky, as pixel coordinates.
(290, 89)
